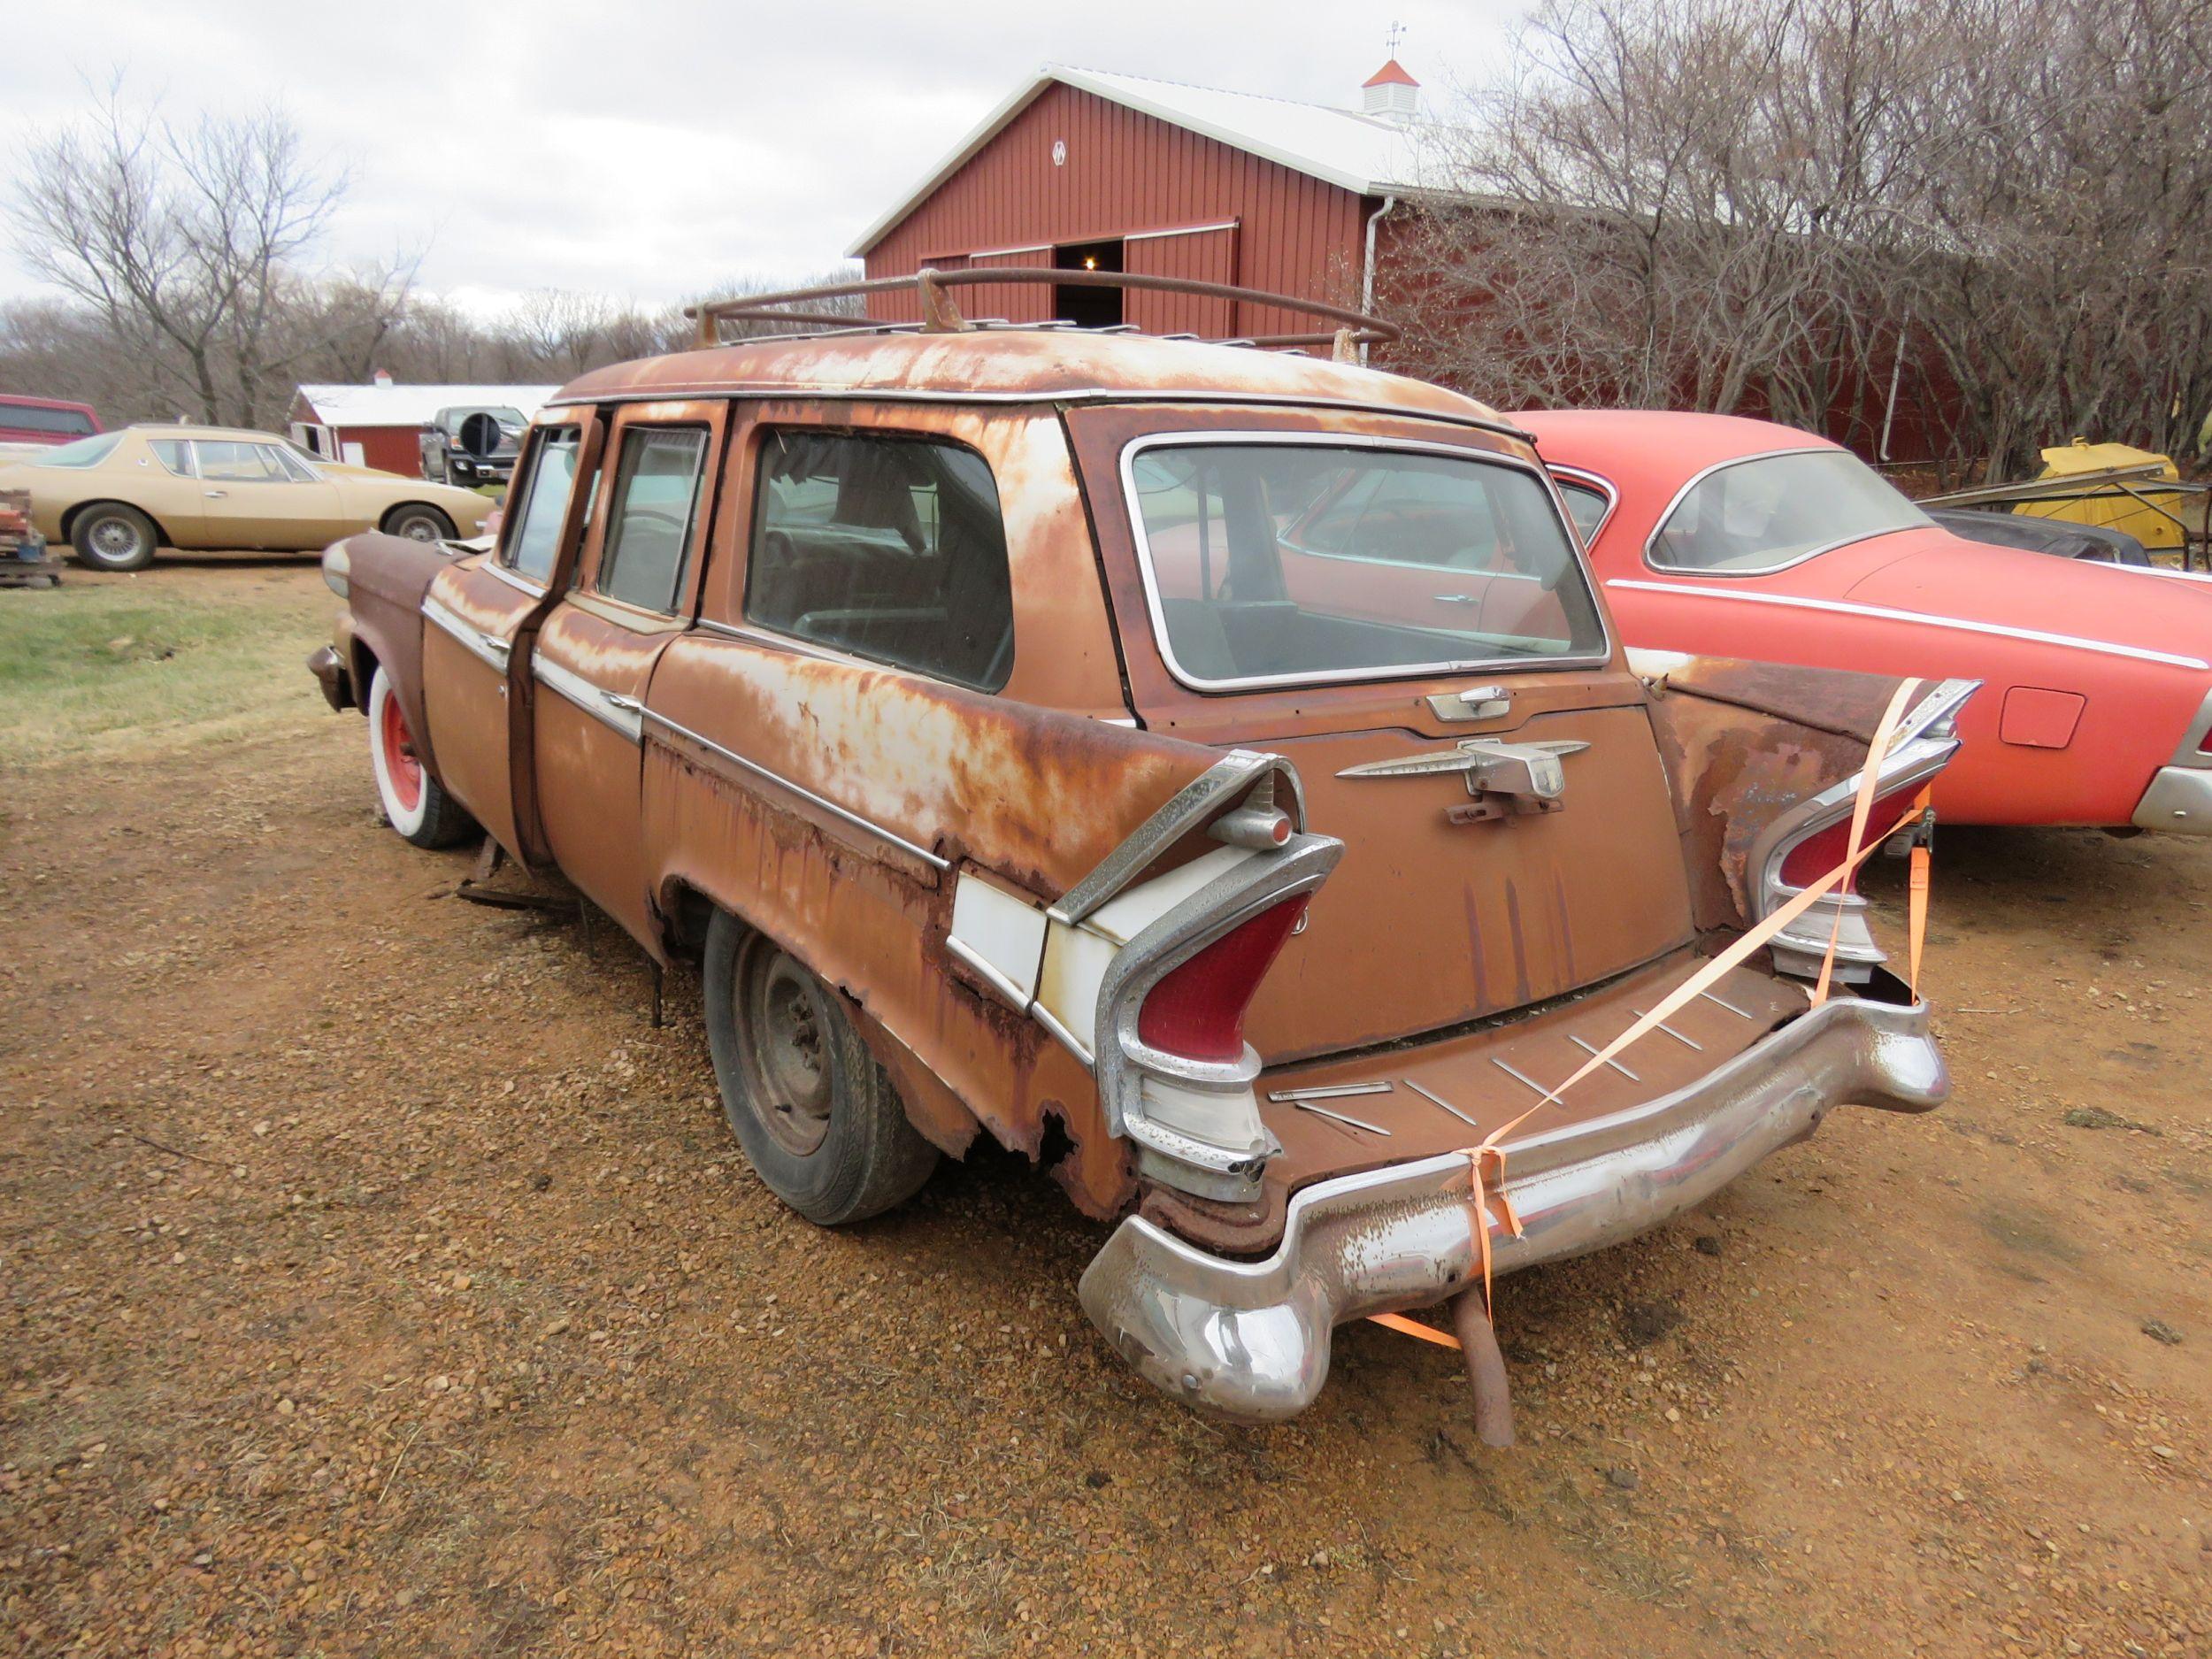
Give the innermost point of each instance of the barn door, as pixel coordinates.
(1207, 253)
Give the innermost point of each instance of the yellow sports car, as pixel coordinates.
(117, 496)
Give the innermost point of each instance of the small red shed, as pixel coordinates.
(381, 425)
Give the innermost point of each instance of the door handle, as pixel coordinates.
(1457, 599)
(498, 647)
(216, 495)
(616, 700)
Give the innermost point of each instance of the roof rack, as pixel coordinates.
(940, 316)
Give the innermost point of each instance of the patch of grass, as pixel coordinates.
(94, 669)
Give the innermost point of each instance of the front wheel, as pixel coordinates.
(109, 536)
(415, 803)
(419, 523)
(818, 1119)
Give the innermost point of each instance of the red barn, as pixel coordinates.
(1083, 170)
(1080, 169)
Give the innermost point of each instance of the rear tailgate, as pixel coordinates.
(1429, 924)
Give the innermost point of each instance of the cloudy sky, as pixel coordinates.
(653, 149)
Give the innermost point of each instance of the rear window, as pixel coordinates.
(1273, 563)
(1769, 510)
(84, 452)
(891, 549)
(68, 423)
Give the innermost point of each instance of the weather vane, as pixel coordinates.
(1397, 34)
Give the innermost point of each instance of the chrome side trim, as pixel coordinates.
(481, 646)
(844, 815)
(1012, 993)
(610, 708)
(494, 567)
(1961, 625)
(1651, 560)
(1251, 1338)
(1073, 1043)
(1342, 677)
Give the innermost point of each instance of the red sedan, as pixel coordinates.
(1720, 537)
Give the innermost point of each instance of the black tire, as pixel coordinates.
(109, 536)
(820, 1121)
(418, 521)
(416, 804)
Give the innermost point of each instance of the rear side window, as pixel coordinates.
(891, 549)
(1587, 504)
(656, 497)
(84, 452)
(1769, 510)
(173, 453)
(534, 543)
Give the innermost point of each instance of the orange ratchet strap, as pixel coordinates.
(1485, 1162)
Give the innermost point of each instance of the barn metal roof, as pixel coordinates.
(342, 405)
(1364, 154)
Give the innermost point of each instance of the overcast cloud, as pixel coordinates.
(654, 151)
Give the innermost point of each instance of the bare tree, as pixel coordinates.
(184, 238)
(1787, 206)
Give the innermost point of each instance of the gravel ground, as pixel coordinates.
(378, 1280)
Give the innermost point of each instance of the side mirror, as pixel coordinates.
(479, 434)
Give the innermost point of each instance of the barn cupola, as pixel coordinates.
(1391, 94)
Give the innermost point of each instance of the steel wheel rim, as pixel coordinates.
(402, 769)
(786, 1032)
(417, 526)
(114, 538)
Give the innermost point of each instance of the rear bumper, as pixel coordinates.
(1250, 1339)
(2179, 802)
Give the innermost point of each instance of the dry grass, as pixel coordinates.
(109, 668)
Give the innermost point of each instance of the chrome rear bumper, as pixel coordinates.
(1250, 1339)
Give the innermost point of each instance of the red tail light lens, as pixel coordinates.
(1823, 849)
(1197, 1009)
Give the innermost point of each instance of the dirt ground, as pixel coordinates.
(377, 1281)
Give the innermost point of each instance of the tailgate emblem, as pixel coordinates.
(1503, 777)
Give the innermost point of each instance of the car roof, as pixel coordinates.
(1002, 365)
(170, 429)
(24, 400)
(1687, 442)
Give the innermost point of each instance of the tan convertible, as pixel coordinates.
(117, 496)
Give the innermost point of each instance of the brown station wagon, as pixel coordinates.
(1209, 771)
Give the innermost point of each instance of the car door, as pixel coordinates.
(255, 495)
(480, 612)
(633, 595)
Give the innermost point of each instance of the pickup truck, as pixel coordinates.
(1212, 772)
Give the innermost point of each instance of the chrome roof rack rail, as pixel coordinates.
(940, 316)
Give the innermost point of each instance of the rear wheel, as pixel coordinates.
(418, 522)
(416, 803)
(818, 1118)
(109, 536)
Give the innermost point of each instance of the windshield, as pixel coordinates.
(1771, 511)
(1273, 562)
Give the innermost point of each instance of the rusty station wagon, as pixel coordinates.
(1209, 770)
